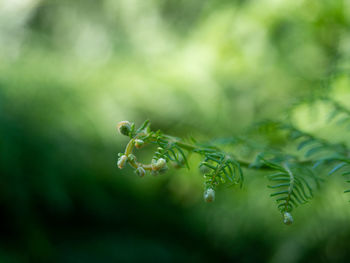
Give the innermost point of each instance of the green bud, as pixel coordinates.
(124, 127)
(139, 143)
(287, 218)
(132, 158)
(204, 169)
(121, 161)
(140, 171)
(209, 195)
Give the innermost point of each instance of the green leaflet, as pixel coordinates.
(290, 188)
(221, 167)
(336, 168)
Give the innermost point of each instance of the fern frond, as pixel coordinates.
(292, 178)
(222, 167)
(312, 145)
(291, 188)
(343, 166)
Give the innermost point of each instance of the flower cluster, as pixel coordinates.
(137, 140)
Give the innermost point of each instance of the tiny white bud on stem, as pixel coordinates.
(287, 218)
(140, 171)
(209, 195)
(121, 161)
(159, 164)
(139, 143)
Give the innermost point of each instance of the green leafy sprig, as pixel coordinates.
(292, 178)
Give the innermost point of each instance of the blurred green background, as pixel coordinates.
(71, 70)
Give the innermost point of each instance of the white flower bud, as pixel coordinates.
(287, 218)
(121, 161)
(159, 164)
(209, 195)
(140, 171)
(124, 127)
(139, 143)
